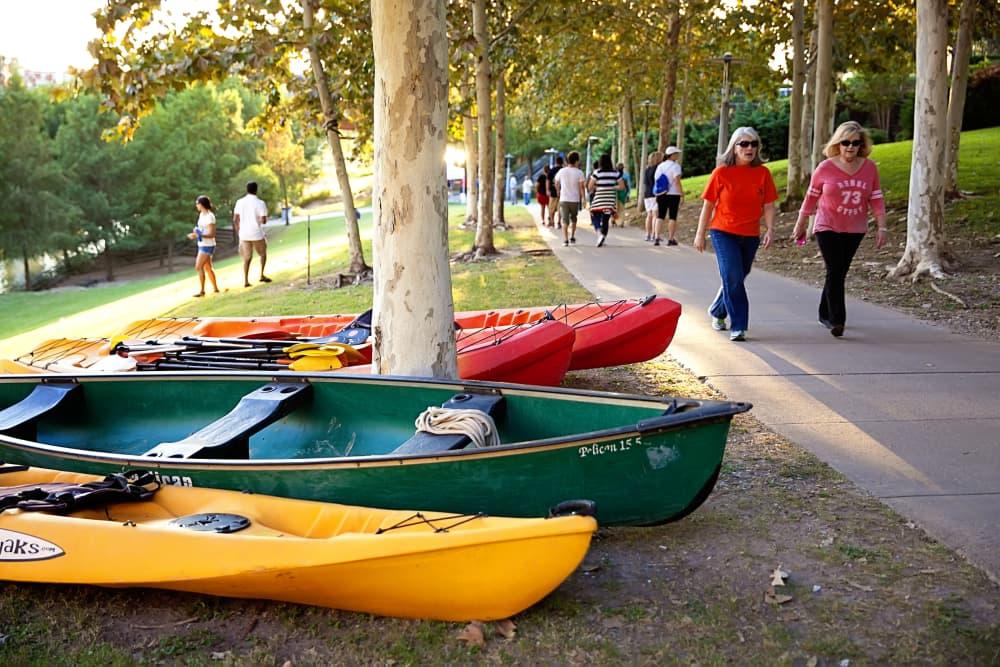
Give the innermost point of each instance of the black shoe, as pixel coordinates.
(672, 242)
(656, 242)
(566, 244)
(265, 279)
(837, 330)
(572, 240)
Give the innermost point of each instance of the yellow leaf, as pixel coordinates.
(506, 628)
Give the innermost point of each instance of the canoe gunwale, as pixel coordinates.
(693, 412)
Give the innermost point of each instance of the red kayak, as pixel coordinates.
(608, 333)
(538, 353)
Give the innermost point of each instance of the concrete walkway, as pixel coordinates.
(906, 410)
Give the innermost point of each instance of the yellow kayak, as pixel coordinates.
(389, 562)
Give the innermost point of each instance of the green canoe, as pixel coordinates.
(351, 439)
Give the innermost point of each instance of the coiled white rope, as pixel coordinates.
(476, 424)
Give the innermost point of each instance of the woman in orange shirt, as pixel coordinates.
(739, 193)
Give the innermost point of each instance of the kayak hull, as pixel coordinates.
(642, 460)
(437, 566)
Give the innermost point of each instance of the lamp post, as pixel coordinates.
(591, 139)
(727, 58)
(506, 179)
(645, 104)
(552, 156)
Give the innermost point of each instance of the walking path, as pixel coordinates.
(906, 410)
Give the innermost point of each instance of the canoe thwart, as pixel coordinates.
(19, 419)
(427, 443)
(229, 436)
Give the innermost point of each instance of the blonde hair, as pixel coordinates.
(655, 158)
(843, 131)
(728, 157)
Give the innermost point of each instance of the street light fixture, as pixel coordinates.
(640, 175)
(591, 139)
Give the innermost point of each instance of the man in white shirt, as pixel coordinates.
(249, 218)
(570, 184)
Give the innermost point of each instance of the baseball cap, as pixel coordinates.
(671, 150)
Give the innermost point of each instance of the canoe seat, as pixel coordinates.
(229, 436)
(429, 443)
(20, 419)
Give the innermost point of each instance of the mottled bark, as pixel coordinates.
(412, 302)
(669, 75)
(809, 108)
(331, 122)
(484, 91)
(926, 251)
(822, 119)
(625, 150)
(499, 159)
(956, 99)
(471, 156)
(796, 180)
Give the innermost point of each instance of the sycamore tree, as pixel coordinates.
(312, 59)
(287, 159)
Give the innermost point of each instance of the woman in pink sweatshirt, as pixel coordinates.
(842, 189)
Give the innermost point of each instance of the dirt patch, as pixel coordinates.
(976, 283)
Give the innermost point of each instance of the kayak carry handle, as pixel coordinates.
(571, 507)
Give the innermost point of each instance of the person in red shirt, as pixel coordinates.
(842, 190)
(739, 193)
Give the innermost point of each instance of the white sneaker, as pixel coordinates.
(719, 323)
(737, 335)
(600, 240)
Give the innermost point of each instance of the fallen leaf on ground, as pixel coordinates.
(506, 628)
(614, 623)
(473, 634)
(587, 568)
(220, 655)
(778, 576)
(771, 597)
(861, 587)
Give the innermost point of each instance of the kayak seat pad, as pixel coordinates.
(20, 420)
(229, 437)
(429, 443)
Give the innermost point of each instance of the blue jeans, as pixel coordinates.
(735, 255)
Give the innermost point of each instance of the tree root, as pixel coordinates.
(951, 296)
(344, 279)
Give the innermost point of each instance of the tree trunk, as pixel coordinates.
(824, 79)
(669, 75)
(471, 157)
(170, 256)
(682, 115)
(412, 299)
(27, 270)
(956, 100)
(625, 153)
(808, 108)
(331, 122)
(796, 182)
(484, 90)
(926, 251)
(500, 160)
(109, 264)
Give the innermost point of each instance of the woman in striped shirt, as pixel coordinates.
(604, 185)
(842, 190)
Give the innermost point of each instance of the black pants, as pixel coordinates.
(838, 250)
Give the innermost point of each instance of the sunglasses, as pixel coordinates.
(847, 142)
(748, 144)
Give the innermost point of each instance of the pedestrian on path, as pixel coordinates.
(543, 196)
(527, 187)
(842, 190)
(738, 194)
(669, 194)
(623, 194)
(249, 218)
(648, 198)
(204, 233)
(605, 183)
(570, 187)
(555, 212)
(512, 189)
